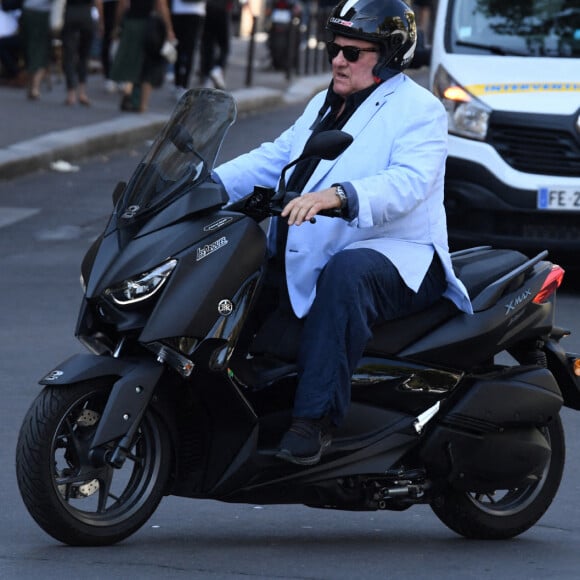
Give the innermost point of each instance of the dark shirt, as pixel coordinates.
(326, 121)
(140, 8)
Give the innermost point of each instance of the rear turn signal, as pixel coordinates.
(550, 285)
(576, 367)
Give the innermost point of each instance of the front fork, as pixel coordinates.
(129, 398)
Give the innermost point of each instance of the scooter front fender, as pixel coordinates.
(133, 387)
(83, 367)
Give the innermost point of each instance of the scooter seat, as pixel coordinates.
(280, 336)
(478, 269)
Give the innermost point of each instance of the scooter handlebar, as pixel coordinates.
(333, 213)
(264, 202)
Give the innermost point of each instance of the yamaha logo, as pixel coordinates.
(225, 307)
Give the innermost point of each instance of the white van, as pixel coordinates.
(508, 73)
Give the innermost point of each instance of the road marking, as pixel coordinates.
(11, 215)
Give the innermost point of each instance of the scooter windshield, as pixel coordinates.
(182, 155)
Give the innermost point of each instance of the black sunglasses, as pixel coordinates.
(351, 53)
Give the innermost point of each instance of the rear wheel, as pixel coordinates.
(73, 501)
(505, 513)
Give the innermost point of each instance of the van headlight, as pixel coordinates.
(468, 116)
(143, 286)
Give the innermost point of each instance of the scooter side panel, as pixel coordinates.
(524, 396)
(470, 339)
(401, 385)
(111, 265)
(489, 439)
(208, 272)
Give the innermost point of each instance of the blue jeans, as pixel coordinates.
(356, 290)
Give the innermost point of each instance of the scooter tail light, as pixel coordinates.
(550, 285)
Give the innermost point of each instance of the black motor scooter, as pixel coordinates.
(184, 394)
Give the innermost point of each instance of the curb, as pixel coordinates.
(74, 144)
(123, 131)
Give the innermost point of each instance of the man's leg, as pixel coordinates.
(357, 290)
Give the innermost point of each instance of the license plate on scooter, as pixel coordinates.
(565, 198)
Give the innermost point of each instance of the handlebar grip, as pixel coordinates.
(333, 213)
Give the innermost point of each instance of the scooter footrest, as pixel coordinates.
(262, 371)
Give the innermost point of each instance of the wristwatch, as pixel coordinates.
(341, 194)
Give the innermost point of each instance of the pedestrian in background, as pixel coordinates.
(108, 27)
(143, 27)
(77, 40)
(215, 43)
(11, 71)
(187, 17)
(36, 42)
(425, 11)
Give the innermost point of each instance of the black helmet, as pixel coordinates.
(388, 23)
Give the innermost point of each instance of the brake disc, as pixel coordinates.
(88, 418)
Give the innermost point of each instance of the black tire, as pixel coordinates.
(71, 500)
(505, 513)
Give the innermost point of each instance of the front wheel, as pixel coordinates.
(73, 501)
(505, 513)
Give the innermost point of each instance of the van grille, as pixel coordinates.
(540, 144)
(529, 228)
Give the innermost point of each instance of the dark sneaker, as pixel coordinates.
(305, 441)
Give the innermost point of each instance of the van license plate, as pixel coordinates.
(565, 198)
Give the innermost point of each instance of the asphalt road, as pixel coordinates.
(47, 221)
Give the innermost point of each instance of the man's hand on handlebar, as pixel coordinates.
(305, 207)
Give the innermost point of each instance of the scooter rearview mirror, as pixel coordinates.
(324, 145)
(327, 144)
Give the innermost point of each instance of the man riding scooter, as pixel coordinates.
(388, 257)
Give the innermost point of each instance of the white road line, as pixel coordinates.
(11, 215)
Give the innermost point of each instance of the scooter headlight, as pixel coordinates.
(468, 116)
(143, 286)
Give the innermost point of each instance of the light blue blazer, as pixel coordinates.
(395, 164)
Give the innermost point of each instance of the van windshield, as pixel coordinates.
(518, 27)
